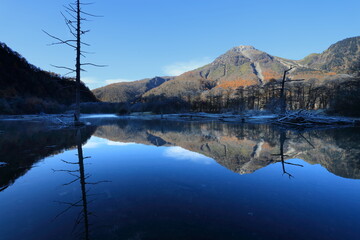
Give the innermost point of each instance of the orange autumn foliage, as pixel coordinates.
(236, 83)
(270, 74)
(331, 73)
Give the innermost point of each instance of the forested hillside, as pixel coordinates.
(28, 89)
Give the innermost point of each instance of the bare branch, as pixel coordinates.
(91, 15)
(295, 80)
(69, 73)
(68, 171)
(69, 162)
(290, 176)
(62, 67)
(75, 180)
(95, 183)
(68, 208)
(307, 140)
(70, 8)
(84, 32)
(288, 70)
(86, 4)
(59, 39)
(70, 14)
(94, 65)
(87, 52)
(294, 164)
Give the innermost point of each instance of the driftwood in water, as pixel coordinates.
(306, 119)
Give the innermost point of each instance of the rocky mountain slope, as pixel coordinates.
(244, 66)
(239, 67)
(341, 57)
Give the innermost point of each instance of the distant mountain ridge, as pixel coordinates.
(128, 91)
(244, 66)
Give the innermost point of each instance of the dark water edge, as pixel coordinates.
(178, 180)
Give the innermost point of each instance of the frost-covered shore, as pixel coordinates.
(50, 120)
(294, 118)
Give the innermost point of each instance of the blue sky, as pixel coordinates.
(146, 38)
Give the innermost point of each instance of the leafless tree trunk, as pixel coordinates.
(73, 20)
(78, 66)
(282, 93)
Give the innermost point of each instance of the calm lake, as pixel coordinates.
(135, 179)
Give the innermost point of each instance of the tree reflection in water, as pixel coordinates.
(282, 155)
(81, 177)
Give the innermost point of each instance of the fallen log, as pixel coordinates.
(306, 119)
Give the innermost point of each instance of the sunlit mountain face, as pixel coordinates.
(243, 67)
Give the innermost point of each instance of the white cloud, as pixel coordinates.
(182, 154)
(110, 81)
(91, 145)
(119, 143)
(89, 80)
(179, 68)
(94, 142)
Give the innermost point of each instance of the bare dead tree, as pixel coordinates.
(282, 90)
(73, 17)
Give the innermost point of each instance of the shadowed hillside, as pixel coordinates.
(28, 89)
(20, 150)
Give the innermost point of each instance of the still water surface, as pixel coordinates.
(120, 179)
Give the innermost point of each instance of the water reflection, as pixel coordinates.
(246, 148)
(23, 145)
(169, 186)
(241, 148)
(283, 156)
(80, 176)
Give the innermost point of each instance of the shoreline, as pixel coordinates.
(67, 119)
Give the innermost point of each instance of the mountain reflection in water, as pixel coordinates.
(275, 188)
(246, 148)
